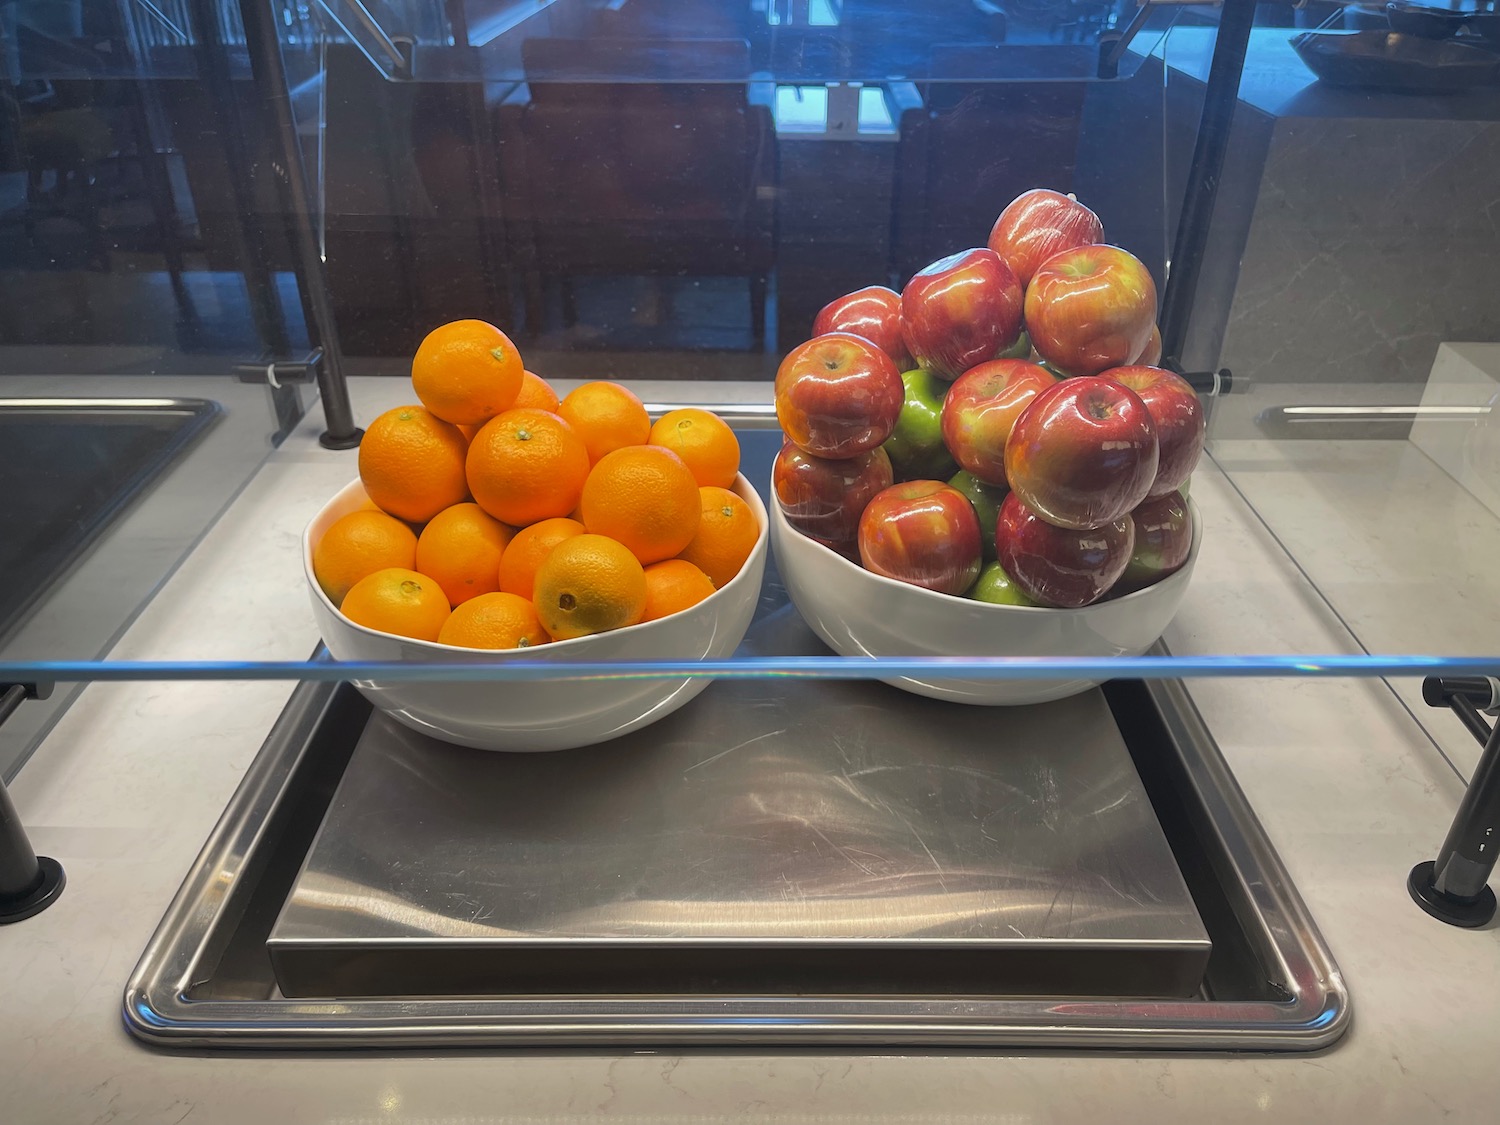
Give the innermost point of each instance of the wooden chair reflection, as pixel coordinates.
(639, 157)
(999, 125)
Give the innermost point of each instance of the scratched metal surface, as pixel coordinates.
(762, 810)
(765, 814)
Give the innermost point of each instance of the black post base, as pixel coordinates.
(328, 441)
(35, 901)
(1445, 907)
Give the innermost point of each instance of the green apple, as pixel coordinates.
(986, 500)
(994, 586)
(916, 446)
(1021, 349)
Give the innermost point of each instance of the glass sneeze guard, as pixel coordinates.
(634, 195)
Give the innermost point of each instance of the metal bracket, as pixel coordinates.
(387, 53)
(284, 377)
(29, 883)
(275, 373)
(261, 19)
(1453, 888)
(1113, 44)
(10, 699)
(1211, 383)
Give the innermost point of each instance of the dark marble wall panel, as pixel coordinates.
(1121, 161)
(1234, 207)
(1370, 242)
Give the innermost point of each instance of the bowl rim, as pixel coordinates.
(882, 582)
(742, 488)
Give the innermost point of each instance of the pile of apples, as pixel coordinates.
(997, 430)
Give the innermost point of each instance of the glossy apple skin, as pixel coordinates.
(1090, 309)
(916, 445)
(838, 395)
(1083, 453)
(1151, 355)
(997, 588)
(873, 312)
(922, 532)
(1038, 224)
(981, 409)
(985, 499)
(1021, 349)
(823, 499)
(1177, 412)
(1060, 566)
(960, 311)
(1163, 539)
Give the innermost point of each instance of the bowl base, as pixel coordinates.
(982, 693)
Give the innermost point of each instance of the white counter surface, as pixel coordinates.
(130, 781)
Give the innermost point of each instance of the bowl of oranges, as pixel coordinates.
(495, 522)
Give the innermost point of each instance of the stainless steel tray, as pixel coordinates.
(206, 980)
(68, 468)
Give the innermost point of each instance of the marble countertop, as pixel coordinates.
(130, 781)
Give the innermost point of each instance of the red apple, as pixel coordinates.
(980, 409)
(1060, 566)
(874, 313)
(1178, 415)
(923, 532)
(1151, 356)
(1038, 224)
(824, 499)
(960, 311)
(1083, 453)
(838, 395)
(1163, 539)
(1090, 309)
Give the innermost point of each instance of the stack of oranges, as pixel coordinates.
(503, 517)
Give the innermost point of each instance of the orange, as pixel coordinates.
(461, 547)
(466, 372)
(527, 465)
(672, 586)
(412, 463)
(589, 584)
(703, 440)
(537, 392)
(468, 432)
(359, 544)
(494, 621)
(607, 417)
(527, 550)
(727, 533)
(645, 497)
(400, 601)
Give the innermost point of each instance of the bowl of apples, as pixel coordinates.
(990, 463)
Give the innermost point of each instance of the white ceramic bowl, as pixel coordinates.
(543, 715)
(859, 613)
